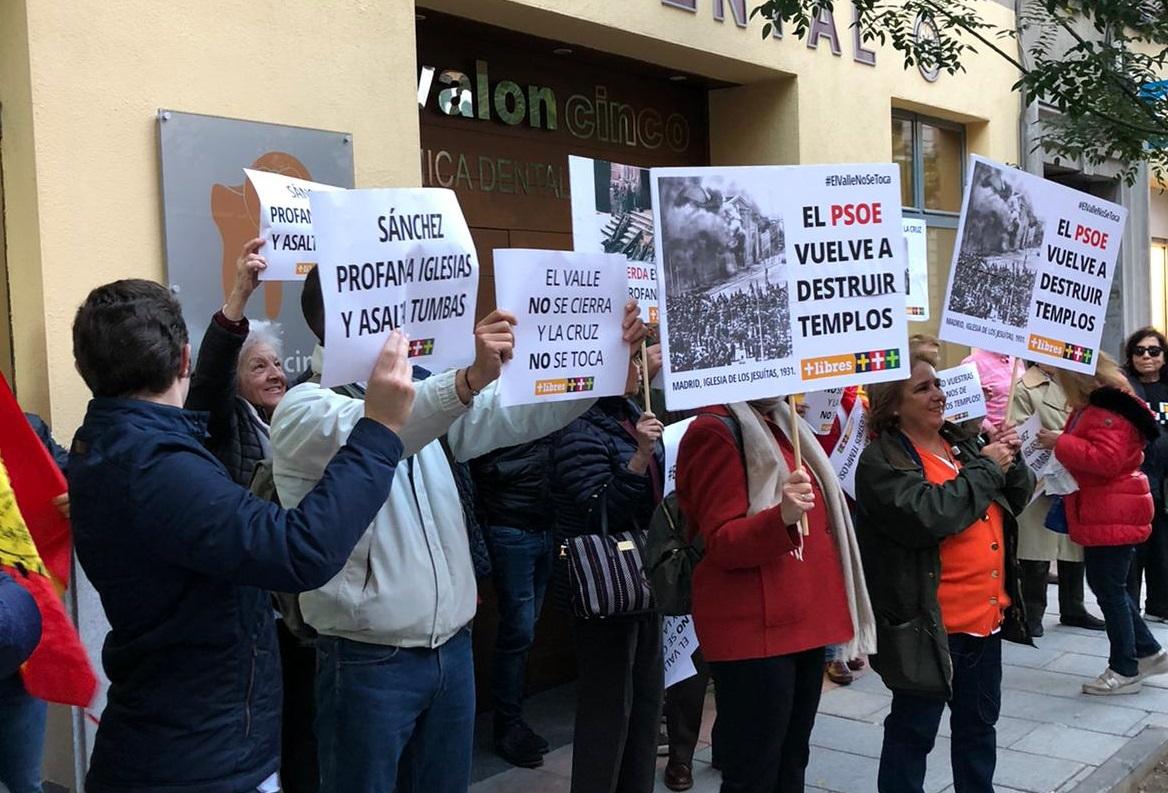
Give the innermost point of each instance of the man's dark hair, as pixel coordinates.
(312, 303)
(128, 338)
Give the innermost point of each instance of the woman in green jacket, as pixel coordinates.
(935, 523)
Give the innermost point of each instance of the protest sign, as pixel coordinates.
(394, 258)
(1033, 455)
(917, 273)
(568, 340)
(671, 438)
(778, 280)
(680, 642)
(964, 398)
(612, 212)
(286, 224)
(1032, 268)
(822, 407)
(853, 438)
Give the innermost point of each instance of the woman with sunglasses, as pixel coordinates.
(1145, 369)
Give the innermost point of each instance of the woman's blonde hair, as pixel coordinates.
(1078, 386)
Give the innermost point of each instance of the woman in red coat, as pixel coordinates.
(766, 598)
(1102, 447)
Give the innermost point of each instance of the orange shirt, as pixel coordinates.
(972, 592)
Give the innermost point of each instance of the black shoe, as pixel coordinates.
(515, 745)
(1083, 620)
(534, 739)
(1037, 630)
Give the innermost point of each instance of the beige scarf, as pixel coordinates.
(766, 472)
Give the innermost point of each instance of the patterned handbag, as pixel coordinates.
(606, 576)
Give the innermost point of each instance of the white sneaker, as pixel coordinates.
(1111, 683)
(1156, 664)
(1154, 618)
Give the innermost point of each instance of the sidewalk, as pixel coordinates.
(1050, 735)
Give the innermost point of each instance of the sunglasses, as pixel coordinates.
(1151, 352)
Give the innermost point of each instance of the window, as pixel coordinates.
(931, 157)
(1159, 280)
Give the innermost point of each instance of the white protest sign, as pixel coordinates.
(917, 299)
(394, 258)
(286, 224)
(822, 407)
(1032, 268)
(853, 438)
(612, 212)
(680, 642)
(671, 438)
(1033, 455)
(568, 340)
(778, 280)
(964, 398)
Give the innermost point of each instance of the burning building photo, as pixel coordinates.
(1001, 244)
(725, 274)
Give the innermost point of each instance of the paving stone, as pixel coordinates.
(852, 704)
(1070, 784)
(1032, 772)
(1022, 655)
(1070, 743)
(1085, 666)
(1043, 681)
(1096, 714)
(1095, 644)
(1010, 730)
(847, 735)
(841, 772)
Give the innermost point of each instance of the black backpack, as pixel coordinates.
(673, 550)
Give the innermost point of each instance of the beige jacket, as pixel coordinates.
(1038, 393)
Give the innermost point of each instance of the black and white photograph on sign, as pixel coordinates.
(1000, 251)
(725, 273)
(624, 210)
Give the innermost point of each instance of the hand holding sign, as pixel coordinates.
(248, 268)
(798, 498)
(633, 329)
(494, 346)
(389, 398)
(1001, 453)
(1048, 438)
(649, 430)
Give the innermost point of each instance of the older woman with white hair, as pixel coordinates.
(239, 375)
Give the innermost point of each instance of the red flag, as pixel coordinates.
(36, 481)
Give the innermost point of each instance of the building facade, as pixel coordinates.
(486, 97)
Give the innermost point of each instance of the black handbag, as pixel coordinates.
(606, 576)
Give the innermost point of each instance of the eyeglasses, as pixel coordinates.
(1151, 352)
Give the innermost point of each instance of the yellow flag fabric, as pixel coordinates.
(16, 546)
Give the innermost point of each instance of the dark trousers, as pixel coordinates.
(684, 704)
(766, 709)
(910, 729)
(618, 707)
(299, 769)
(1108, 567)
(1151, 563)
(1070, 589)
(521, 565)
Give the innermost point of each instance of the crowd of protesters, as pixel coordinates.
(728, 328)
(290, 571)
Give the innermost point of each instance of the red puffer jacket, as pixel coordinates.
(1103, 450)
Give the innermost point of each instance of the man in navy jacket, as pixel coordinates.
(182, 557)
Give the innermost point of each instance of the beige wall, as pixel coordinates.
(84, 204)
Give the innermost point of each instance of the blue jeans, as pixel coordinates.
(911, 727)
(521, 562)
(394, 718)
(22, 737)
(1107, 574)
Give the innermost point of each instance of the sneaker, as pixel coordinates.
(1156, 664)
(515, 746)
(1150, 617)
(1112, 683)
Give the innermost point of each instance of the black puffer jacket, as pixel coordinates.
(233, 434)
(591, 458)
(514, 486)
